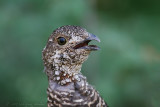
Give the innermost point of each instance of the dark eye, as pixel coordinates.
(61, 41)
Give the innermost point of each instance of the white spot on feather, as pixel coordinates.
(56, 72)
(58, 78)
(79, 100)
(57, 55)
(75, 39)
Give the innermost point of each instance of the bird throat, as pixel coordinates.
(64, 71)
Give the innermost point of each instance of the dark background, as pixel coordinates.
(126, 71)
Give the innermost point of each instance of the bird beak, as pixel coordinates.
(84, 44)
(93, 37)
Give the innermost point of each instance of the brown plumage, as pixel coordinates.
(67, 48)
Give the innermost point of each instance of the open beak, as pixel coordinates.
(84, 44)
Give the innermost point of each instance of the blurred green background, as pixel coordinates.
(126, 71)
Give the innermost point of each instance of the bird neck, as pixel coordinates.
(64, 68)
(64, 74)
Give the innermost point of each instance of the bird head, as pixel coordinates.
(67, 48)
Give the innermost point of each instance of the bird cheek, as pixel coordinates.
(72, 55)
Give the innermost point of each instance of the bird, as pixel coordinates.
(66, 50)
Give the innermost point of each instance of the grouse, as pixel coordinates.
(67, 48)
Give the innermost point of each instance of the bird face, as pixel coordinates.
(67, 48)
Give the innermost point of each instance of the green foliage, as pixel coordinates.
(125, 71)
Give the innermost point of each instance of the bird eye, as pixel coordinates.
(61, 41)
